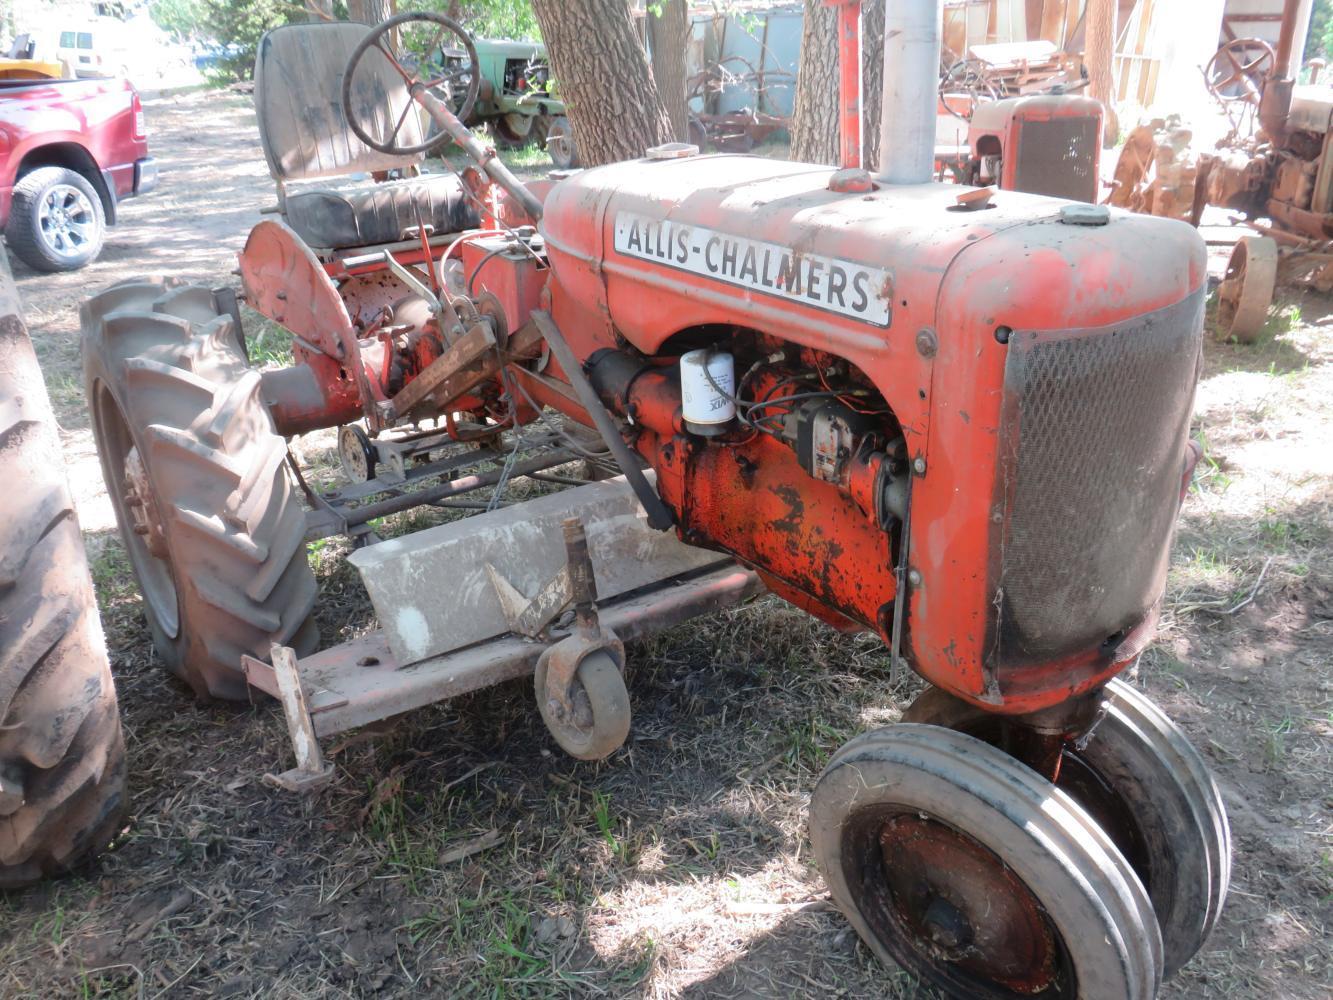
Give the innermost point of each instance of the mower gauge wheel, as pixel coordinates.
(596, 722)
(356, 454)
(426, 50)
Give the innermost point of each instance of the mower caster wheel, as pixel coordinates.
(1137, 775)
(599, 721)
(356, 454)
(975, 874)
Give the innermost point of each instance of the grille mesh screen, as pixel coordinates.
(1056, 158)
(1095, 425)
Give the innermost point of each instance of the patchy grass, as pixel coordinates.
(460, 854)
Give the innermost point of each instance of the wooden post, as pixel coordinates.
(1098, 53)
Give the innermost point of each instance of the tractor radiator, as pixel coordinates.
(1096, 427)
(1058, 157)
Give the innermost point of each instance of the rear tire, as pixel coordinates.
(195, 470)
(56, 220)
(62, 756)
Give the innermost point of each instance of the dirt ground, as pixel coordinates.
(680, 867)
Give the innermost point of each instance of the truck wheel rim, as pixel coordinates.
(66, 220)
(134, 511)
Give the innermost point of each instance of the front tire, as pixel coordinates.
(1138, 775)
(56, 220)
(62, 756)
(213, 526)
(960, 864)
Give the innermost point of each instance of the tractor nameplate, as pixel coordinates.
(839, 286)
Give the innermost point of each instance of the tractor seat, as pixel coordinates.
(332, 218)
(305, 135)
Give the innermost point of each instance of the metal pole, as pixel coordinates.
(849, 80)
(911, 90)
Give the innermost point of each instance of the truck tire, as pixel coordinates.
(212, 523)
(62, 756)
(56, 220)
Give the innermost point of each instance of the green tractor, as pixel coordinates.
(517, 100)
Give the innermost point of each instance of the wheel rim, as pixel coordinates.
(597, 719)
(949, 902)
(66, 220)
(136, 509)
(558, 142)
(1246, 290)
(1141, 783)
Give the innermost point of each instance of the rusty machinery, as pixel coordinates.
(1046, 140)
(959, 424)
(1274, 168)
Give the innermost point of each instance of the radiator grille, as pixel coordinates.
(1095, 427)
(1058, 158)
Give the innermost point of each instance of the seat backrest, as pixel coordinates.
(298, 100)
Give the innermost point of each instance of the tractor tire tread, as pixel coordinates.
(62, 755)
(234, 525)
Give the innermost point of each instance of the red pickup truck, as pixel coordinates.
(70, 150)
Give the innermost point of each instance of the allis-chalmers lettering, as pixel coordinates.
(839, 286)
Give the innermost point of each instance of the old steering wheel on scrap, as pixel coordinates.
(411, 40)
(421, 41)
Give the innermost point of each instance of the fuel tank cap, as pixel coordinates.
(672, 151)
(1085, 215)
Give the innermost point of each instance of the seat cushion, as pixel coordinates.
(335, 219)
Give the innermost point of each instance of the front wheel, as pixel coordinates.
(955, 861)
(212, 523)
(1143, 782)
(56, 221)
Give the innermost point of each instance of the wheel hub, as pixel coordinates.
(65, 217)
(143, 508)
(960, 904)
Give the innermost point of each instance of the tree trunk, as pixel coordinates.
(1098, 52)
(668, 34)
(602, 75)
(815, 120)
(872, 81)
(814, 128)
(370, 11)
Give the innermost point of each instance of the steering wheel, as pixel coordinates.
(967, 78)
(1244, 61)
(431, 53)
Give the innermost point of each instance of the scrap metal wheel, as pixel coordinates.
(1238, 70)
(1138, 776)
(974, 873)
(356, 454)
(213, 526)
(1247, 289)
(560, 143)
(597, 722)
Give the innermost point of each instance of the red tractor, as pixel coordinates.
(959, 423)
